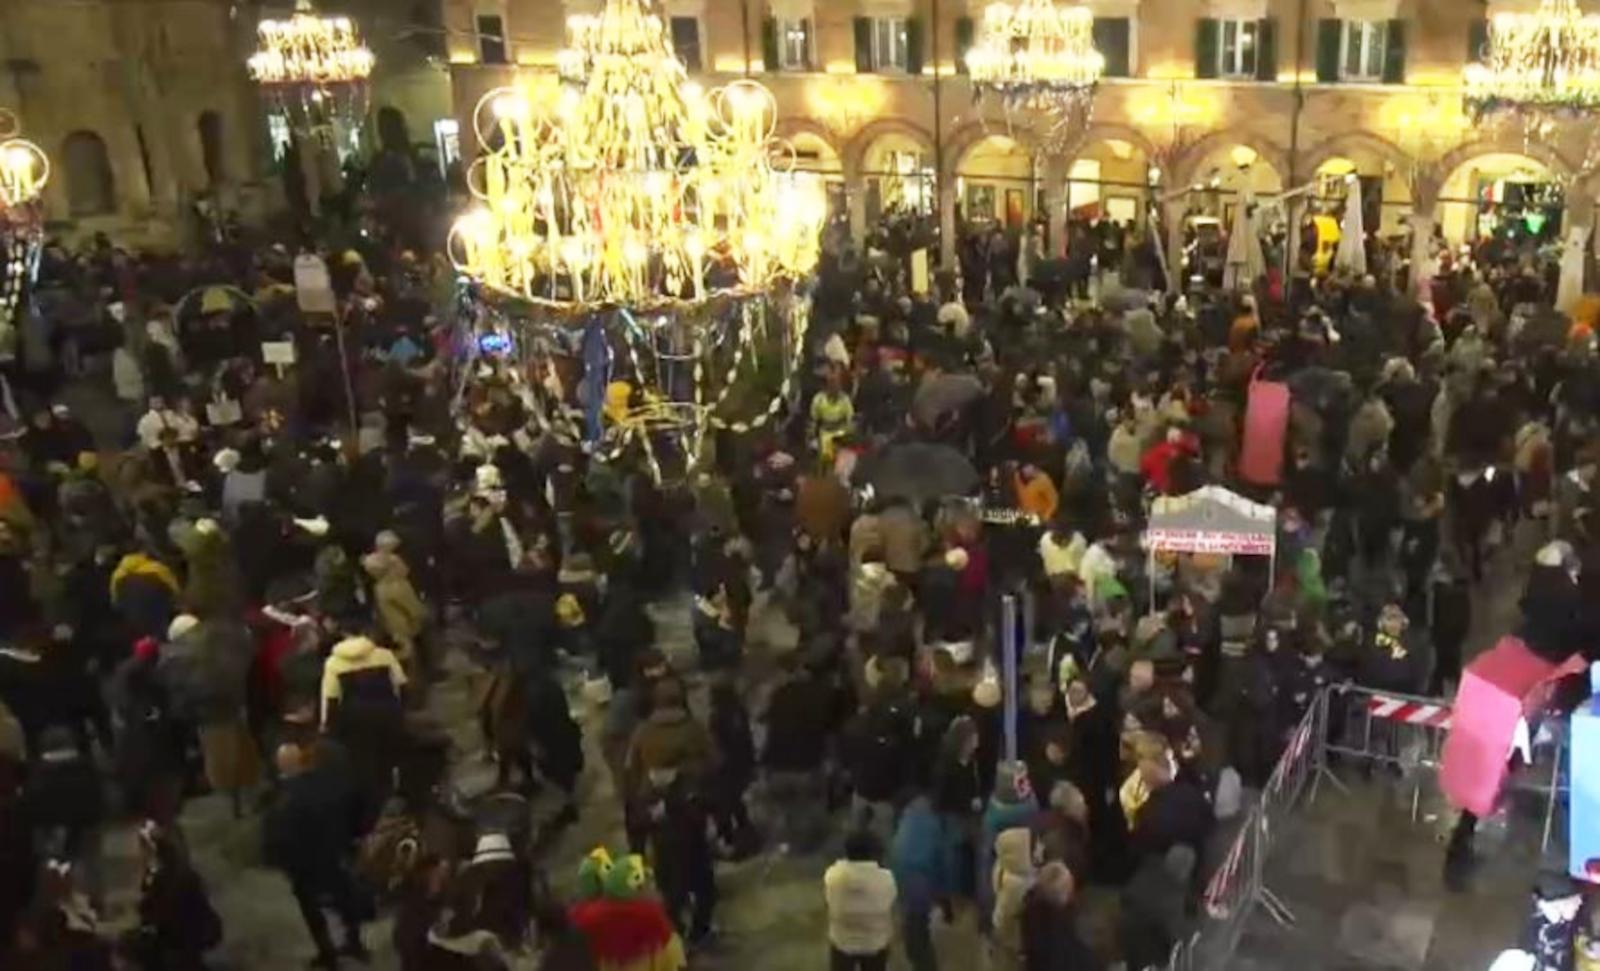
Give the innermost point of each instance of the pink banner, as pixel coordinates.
(1266, 419)
(1500, 686)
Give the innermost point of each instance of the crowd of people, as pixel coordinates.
(238, 579)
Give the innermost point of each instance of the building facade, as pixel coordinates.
(145, 107)
(1224, 96)
(142, 106)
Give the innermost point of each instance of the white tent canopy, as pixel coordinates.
(1211, 520)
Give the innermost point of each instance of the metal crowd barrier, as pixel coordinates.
(1377, 728)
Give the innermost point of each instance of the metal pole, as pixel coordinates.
(1008, 671)
(945, 245)
(344, 371)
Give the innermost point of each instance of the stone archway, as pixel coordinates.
(855, 150)
(1358, 142)
(1186, 166)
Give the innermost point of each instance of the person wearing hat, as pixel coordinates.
(307, 833)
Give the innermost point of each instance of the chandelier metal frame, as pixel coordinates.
(1543, 63)
(1036, 54)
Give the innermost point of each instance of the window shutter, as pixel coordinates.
(966, 31)
(914, 39)
(1267, 50)
(1207, 38)
(1394, 54)
(1111, 39)
(769, 44)
(863, 28)
(1477, 40)
(1329, 39)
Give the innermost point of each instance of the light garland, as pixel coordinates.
(634, 188)
(1036, 54)
(309, 50)
(1547, 61)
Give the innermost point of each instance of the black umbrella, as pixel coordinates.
(918, 471)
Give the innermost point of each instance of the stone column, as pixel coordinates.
(1172, 222)
(1055, 203)
(855, 196)
(947, 221)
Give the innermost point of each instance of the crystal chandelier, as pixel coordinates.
(310, 60)
(634, 188)
(1541, 63)
(663, 222)
(1035, 54)
(24, 170)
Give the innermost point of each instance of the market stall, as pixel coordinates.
(1210, 520)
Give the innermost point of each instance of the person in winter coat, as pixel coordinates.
(735, 768)
(402, 616)
(878, 750)
(149, 759)
(145, 592)
(922, 878)
(307, 833)
(1050, 940)
(64, 803)
(204, 667)
(957, 795)
(177, 924)
(1370, 429)
(1011, 880)
(680, 850)
(1011, 806)
(1153, 907)
(798, 720)
(860, 894)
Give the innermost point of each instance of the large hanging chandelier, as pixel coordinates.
(24, 171)
(1542, 63)
(663, 221)
(635, 187)
(1035, 54)
(310, 61)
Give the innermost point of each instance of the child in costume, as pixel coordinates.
(625, 924)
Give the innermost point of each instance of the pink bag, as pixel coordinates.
(1266, 419)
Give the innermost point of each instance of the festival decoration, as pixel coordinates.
(1543, 62)
(308, 61)
(1035, 54)
(635, 187)
(664, 221)
(24, 171)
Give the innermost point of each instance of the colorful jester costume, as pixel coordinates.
(625, 924)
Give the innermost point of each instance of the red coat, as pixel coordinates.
(1156, 465)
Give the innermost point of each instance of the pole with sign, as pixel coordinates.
(1008, 671)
